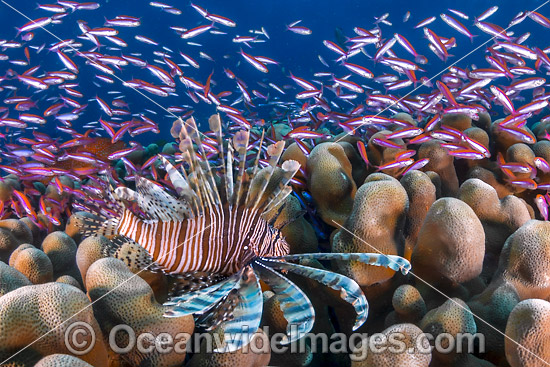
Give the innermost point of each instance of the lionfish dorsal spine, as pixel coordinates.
(274, 152)
(181, 186)
(240, 141)
(204, 181)
(290, 168)
(257, 160)
(193, 132)
(229, 174)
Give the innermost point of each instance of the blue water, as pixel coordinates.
(295, 53)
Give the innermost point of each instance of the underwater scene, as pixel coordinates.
(274, 183)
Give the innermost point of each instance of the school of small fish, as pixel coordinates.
(342, 96)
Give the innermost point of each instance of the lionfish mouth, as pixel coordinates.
(221, 220)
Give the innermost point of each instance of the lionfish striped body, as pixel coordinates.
(222, 221)
(221, 241)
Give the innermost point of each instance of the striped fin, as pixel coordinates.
(349, 289)
(296, 306)
(289, 169)
(239, 330)
(136, 258)
(257, 186)
(99, 225)
(180, 183)
(186, 283)
(156, 200)
(257, 160)
(176, 128)
(229, 173)
(274, 151)
(196, 174)
(215, 124)
(275, 201)
(145, 203)
(240, 140)
(200, 301)
(192, 131)
(113, 201)
(396, 263)
(126, 193)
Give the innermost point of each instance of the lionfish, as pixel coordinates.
(222, 222)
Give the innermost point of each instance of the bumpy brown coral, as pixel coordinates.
(19, 229)
(35, 314)
(528, 326)
(89, 251)
(121, 297)
(494, 305)
(67, 279)
(500, 218)
(37, 233)
(35, 265)
(297, 231)
(408, 305)
(525, 260)
(441, 163)
(11, 279)
(413, 353)
(359, 168)
(8, 243)
(61, 360)
(256, 355)
(377, 221)
(422, 194)
(452, 317)
(457, 121)
(330, 182)
(491, 178)
(61, 249)
(16, 252)
(451, 243)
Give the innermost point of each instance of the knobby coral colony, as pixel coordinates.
(222, 222)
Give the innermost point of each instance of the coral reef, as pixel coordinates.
(475, 232)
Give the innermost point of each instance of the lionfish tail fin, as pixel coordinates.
(349, 289)
(295, 305)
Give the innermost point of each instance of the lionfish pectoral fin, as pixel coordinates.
(99, 225)
(200, 301)
(135, 257)
(349, 289)
(190, 282)
(240, 329)
(181, 185)
(396, 263)
(296, 306)
(158, 204)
